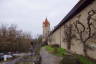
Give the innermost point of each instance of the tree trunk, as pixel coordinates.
(85, 49)
(69, 45)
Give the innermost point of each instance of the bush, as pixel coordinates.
(55, 45)
(69, 59)
(85, 60)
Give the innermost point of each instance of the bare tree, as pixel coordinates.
(68, 34)
(12, 39)
(85, 31)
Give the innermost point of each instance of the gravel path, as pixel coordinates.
(48, 58)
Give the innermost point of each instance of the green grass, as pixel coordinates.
(56, 51)
(49, 48)
(62, 52)
(85, 60)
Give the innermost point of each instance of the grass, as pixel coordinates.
(84, 60)
(62, 52)
(55, 50)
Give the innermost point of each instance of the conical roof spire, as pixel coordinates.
(46, 23)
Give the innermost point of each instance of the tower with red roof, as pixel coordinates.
(46, 29)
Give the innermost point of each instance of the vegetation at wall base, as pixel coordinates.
(75, 59)
(85, 60)
(56, 50)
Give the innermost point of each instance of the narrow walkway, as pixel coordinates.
(48, 58)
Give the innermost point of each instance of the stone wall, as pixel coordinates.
(59, 36)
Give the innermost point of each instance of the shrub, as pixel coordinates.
(69, 59)
(55, 45)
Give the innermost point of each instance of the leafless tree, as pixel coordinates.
(85, 31)
(68, 34)
(12, 39)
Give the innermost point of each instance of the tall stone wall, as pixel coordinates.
(80, 24)
(55, 38)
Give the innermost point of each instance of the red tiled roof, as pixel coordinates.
(46, 23)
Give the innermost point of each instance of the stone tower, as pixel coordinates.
(46, 29)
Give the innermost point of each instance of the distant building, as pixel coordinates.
(46, 29)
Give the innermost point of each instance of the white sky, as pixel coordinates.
(28, 15)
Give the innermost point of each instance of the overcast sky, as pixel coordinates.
(28, 15)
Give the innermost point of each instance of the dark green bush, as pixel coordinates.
(55, 45)
(69, 59)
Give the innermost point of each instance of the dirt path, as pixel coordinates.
(48, 58)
